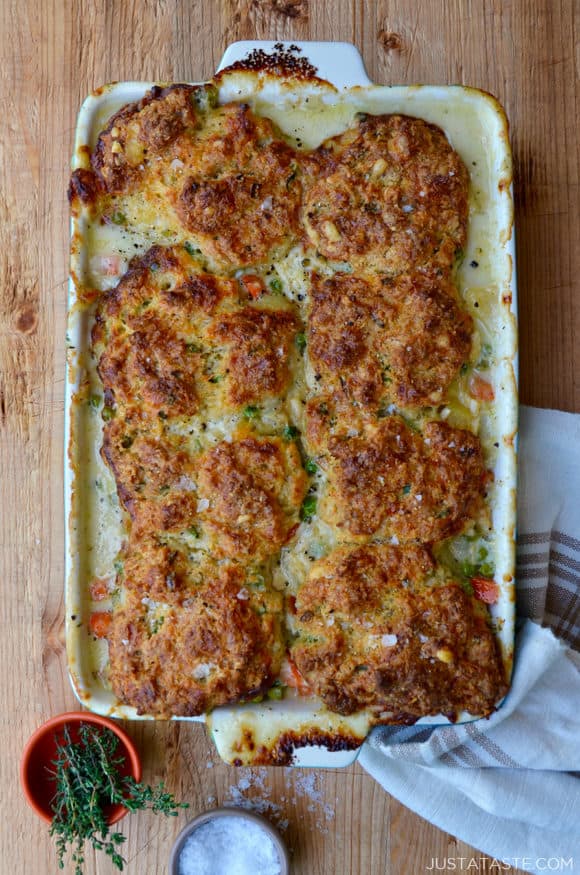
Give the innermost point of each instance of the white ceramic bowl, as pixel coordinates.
(242, 815)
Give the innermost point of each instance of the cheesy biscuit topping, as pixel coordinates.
(279, 347)
(378, 626)
(377, 341)
(389, 195)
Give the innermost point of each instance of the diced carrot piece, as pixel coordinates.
(107, 265)
(485, 589)
(480, 389)
(290, 676)
(112, 265)
(253, 284)
(100, 589)
(100, 623)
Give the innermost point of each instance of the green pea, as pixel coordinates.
(310, 466)
(308, 508)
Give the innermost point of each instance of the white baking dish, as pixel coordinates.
(299, 730)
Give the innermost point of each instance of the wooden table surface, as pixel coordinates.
(527, 53)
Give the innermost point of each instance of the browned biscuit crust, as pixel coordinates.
(223, 175)
(219, 644)
(175, 339)
(389, 195)
(158, 572)
(142, 132)
(154, 475)
(390, 481)
(259, 343)
(375, 342)
(253, 489)
(376, 630)
(147, 332)
(241, 193)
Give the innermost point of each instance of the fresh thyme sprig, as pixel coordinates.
(89, 776)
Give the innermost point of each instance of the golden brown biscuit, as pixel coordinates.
(150, 569)
(154, 475)
(375, 629)
(144, 131)
(241, 193)
(219, 644)
(148, 332)
(377, 341)
(223, 176)
(389, 195)
(177, 340)
(429, 342)
(390, 481)
(258, 343)
(253, 489)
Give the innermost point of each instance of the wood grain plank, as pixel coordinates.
(51, 55)
(265, 19)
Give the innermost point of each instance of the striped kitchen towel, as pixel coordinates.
(507, 784)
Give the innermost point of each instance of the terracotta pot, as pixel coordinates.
(37, 782)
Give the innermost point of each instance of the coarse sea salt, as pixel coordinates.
(229, 846)
(389, 640)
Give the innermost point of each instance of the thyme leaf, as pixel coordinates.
(88, 776)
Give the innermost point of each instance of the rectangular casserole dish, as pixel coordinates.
(310, 109)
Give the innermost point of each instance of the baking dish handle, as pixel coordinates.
(338, 63)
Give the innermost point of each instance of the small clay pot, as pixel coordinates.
(40, 751)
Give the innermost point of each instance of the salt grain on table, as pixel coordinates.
(229, 845)
(252, 792)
